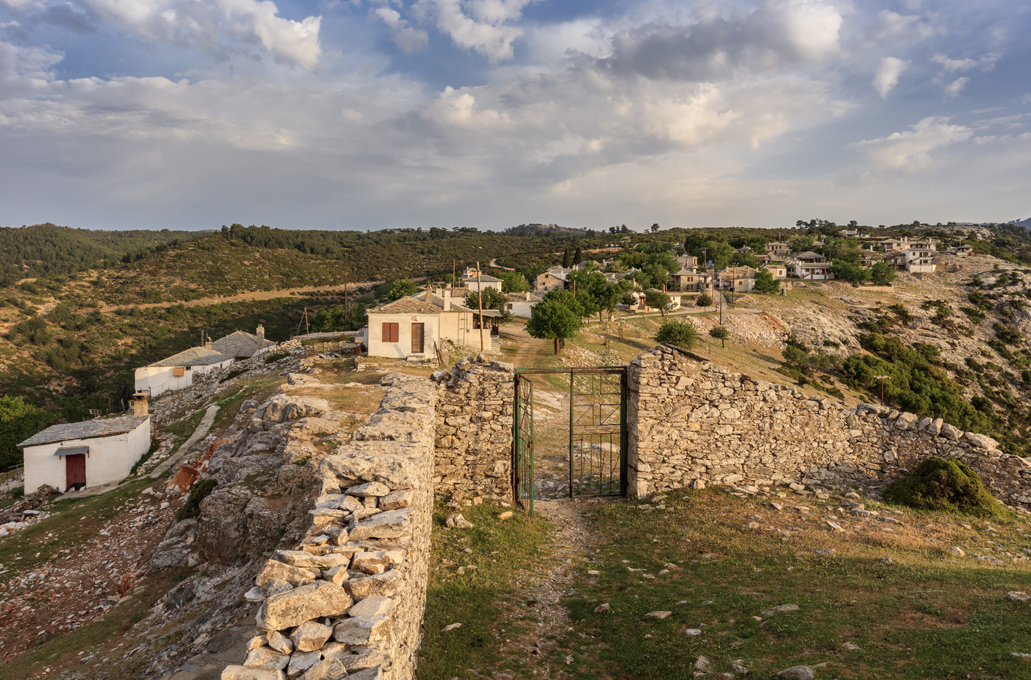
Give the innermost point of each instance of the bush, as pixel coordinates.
(200, 491)
(944, 485)
(273, 358)
(679, 333)
(703, 301)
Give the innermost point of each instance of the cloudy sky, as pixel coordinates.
(367, 114)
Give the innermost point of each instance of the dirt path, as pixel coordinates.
(251, 296)
(544, 588)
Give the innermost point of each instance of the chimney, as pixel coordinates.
(447, 299)
(139, 404)
(528, 294)
(260, 332)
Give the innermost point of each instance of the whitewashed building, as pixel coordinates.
(177, 371)
(87, 454)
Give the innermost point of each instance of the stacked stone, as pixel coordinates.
(474, 429)
(349, 600)
(692, 423)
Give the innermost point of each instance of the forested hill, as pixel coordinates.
(50, 250)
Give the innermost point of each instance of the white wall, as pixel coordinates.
(158, 379)
(402, 348)
(110, 459)
(521, 309)
(475, 288)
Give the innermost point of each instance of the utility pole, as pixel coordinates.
(345, 302)
(882, 378)
(720, 292)
(454, 273)
(479, 299)
(306, 330)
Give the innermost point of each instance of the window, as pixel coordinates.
(390, 332)
(178, 371)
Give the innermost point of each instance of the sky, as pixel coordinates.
(373, 114)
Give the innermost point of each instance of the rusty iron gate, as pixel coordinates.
(597, 432)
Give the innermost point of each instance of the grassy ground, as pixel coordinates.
(479, 597)
(893, 592)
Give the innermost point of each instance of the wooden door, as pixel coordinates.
(417, 338)
(75, 471)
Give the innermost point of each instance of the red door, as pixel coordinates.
(75, 471)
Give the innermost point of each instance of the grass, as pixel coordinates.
(479, 597)
(72, 522)
(183, 428)
(923, 614)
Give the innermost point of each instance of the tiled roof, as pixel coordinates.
(195, 356)
(85, 430)
(240, 344)
(407, 305)
(483, 278)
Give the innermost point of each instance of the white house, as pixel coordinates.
(242, 345)
(487, 281)
(811, 271)
(91, 453)
(414, 326)
(177, 371)
(520, 304)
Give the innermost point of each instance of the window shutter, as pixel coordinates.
(390, 332)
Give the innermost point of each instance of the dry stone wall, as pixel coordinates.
(693, 423)
(474, 429)
(348, 601)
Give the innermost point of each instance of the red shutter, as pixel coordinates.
(390, 332)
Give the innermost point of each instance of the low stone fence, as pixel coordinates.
(693, 423)
(349, 600)
(474, 429)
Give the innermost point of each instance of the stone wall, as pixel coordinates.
(693, 423)
(474, 429)
(349, 599)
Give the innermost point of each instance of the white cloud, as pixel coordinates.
(1026, 99)
(478, 25)
(891, 24)
(407, 38)
(203, 24)
(987, 62)
(908, 151)
(888, 74)
(953, 89)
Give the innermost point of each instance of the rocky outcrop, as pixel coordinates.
(693, 422)
(474, 429)
(349, 599)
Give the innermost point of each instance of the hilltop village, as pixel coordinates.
(674, 447)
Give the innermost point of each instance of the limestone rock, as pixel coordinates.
(798, 672)
(306, 560)
(456, 520)
(384, 585)
(981, 441)
(657, 615)
(1018, 596)
(373, 606)
(301, 661)
(361, 630)
(368, 489)
(327, 669)
(389, 524)
(950, 432)
(957, 551)
(266, 657)
(276, 570)
(244, 673)
(310, 636)
(312, 601)
(702, 663)
(280, 642)
(395, 500)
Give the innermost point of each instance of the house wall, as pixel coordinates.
(475, 288)
(693, 423)
(521, 309)
(458, 328)
(110, 459)
(158, 379)
(548, 282)
(402, 348)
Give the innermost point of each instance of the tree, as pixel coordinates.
(658, 300)
(765, 282)
(679, 333)
(655, 227)
(720, 333)
(882, 274)
(492, 299)
(800, 244)
(513, 282)
(19, 421)
(578, 256)
(849, 271)
(703, 301)
(566, 259)
(554, 319)
(401, 288)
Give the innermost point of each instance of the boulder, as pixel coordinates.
(306, 560)
(375, 605)
(266, 657)
(981, 441)
(312, 601)
(310, 636)
(277, 570)
(950, 432)
(361, 630)
(244, 673)
(389, 524)
(368, 489)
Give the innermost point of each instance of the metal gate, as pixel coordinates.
(597, 432)
(522, 443)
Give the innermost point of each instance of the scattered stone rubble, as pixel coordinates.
(349, 599)
(691, 422)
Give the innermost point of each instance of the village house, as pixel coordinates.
(811, 270)
(778, 271)
(88, 454)
(964, 250)
(520, 304)
(177, 371)
(687, 261)
(473, 283)
(242, 345)
(417, 325)
(553, 279)
(737, 279)
(913, 261)
(853, 233)
(778, 250)
(640, 306)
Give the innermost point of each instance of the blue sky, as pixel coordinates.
(366, 114)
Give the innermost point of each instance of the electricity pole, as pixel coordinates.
(479, 299)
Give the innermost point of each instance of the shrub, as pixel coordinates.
(703, 301)
(200, 491)
(680, 333)
(273, 358)
(944, 485)
(720, 333)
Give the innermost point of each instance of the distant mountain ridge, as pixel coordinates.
(1023, 223)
